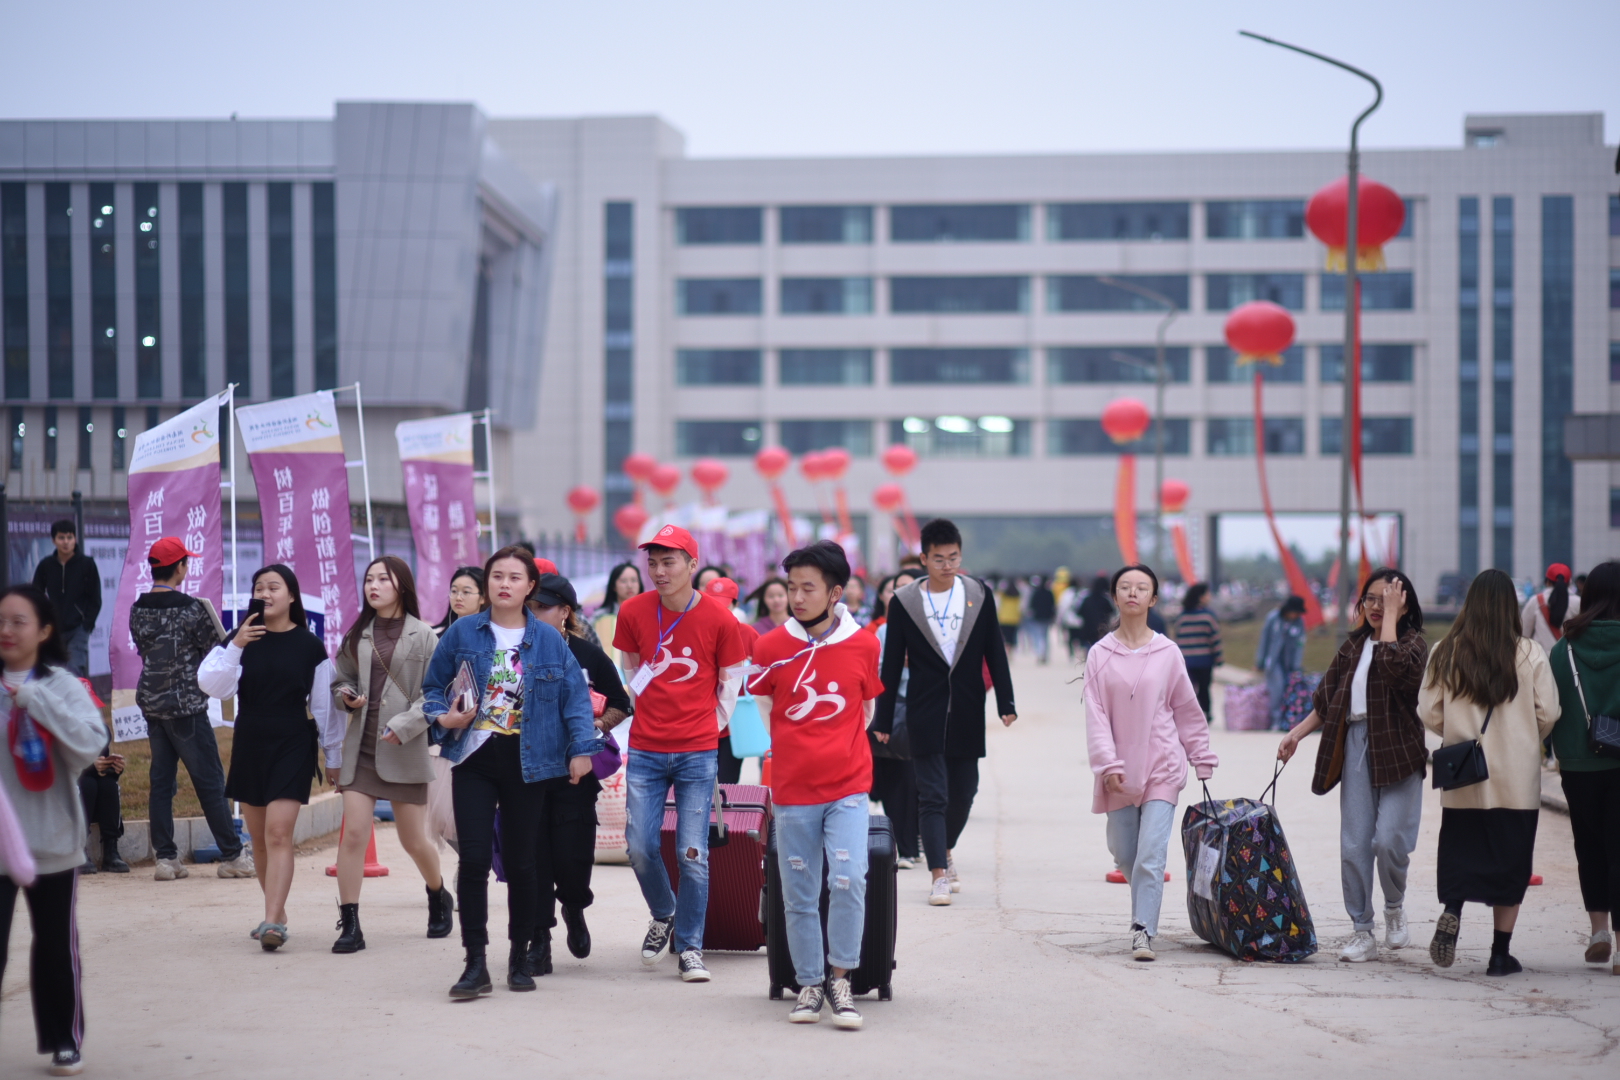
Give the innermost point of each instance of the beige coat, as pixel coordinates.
(1512, 742)
(400, 710)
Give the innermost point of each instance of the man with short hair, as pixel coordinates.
(72, 581)
(944, 627)
(816, 690)
(173, 632)
(686, 654)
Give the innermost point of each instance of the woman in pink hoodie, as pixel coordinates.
(1143, 725)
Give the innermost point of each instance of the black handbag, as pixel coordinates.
(1602, 732)
(899, 745)
(1462, 764)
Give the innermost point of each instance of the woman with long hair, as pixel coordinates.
(509, 710)
(1590, 652)
(377, 688)
(466, 596)
(54, 731)
(278, 670)
(1544, 614)
(770, 605)
(623, 582)
(1486, 681)
(1372, 740)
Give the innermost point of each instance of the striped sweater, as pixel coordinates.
(1198, 633)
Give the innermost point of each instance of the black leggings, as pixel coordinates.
(945, 790)
(1201, 678)
(99, 794)
(53, 973)
(493, 777)
(1594, 819)
(565, 848)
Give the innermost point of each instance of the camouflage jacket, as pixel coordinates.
(172, 632)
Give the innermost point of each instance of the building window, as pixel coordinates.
(958, 224)
(120, 436)
(1468, 386)
(1557, 375)
(1233, 436)
(1221, 366)
(1086, 292)
(1614, 361)
(1116, 364)
(803, 436)
(148, 294)
(618, 369)
(1379, 435)
(825, 367)
(323, 282)
(14, 271)
(718, 296)
(59, 293)
(1614, 287)
(958, 366)
(19, 432)
(826, 224)
(50, 436)
(1614, 215)
(87, 429)
(1406, 222)
(1086, 437)
(618, 302)
(827, 296)
(103, 293)
(1379, 363)
(1502, 382)
(279, 240)
(1223, 292)
(958, 295)
(1118, 221)
(1255, 219)
(717, 367)
(193, 322)
(238, 343)
(618, 380)
(722, 438)
(1390, 290)
(963, 436)
(718, 225)
(1614, 508)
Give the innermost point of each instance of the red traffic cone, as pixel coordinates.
(373, 867)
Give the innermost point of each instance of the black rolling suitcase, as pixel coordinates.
(882, 917)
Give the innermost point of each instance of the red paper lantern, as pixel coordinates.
(899, 459)
(629, 519)
(813, 466)
(772, 461)
(835, 463)
(665, 479)
(639, 467)
(582, 499)
(1125, 420)
(1260, 330)
(1379, 216)
(888, 497)
(709, 474)
(1174, 494)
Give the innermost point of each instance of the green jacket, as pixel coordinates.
(1598, 652)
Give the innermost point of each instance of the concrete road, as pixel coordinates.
(1026, 975)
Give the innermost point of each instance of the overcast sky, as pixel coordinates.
(836, 77)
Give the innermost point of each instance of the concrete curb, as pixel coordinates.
(322, 816)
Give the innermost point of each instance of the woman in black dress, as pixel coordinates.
(276, 668)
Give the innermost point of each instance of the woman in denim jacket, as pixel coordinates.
(529, 720)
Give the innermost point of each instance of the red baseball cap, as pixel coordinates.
(168, 550)
(545, 566)
(724, 588)
(1556, 572)
(673, 536)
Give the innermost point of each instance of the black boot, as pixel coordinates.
(539, 960)
(474, 981)
(441, 912)
(517, 969)
(350, 939)
(110, 861)
(579, 935)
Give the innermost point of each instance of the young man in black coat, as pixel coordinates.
(945, 627)
(72, 581)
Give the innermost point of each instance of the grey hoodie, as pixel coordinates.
(53, 819)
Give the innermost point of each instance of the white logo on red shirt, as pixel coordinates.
(665, 659)
(803, 709)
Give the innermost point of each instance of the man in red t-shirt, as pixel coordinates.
(816, 691)
(725, 590)
(685, 656)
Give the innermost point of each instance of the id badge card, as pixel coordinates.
(642, 677)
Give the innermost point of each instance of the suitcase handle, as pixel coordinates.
(1270, 789)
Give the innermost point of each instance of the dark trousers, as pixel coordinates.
(730, 765)
(1594, 819)
(53, 971)
(491, 778)
(945, 790)
(565, 851)
(99, 794)
(894, 784)
(1201, 678)
(188, 739)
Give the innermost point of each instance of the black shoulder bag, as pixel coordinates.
(1462, 764)
(1602, 732)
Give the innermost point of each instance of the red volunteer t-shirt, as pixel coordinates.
(675, 711)
(819, 751)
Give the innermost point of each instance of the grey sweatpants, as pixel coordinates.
(1139, 840)
(1378, 827)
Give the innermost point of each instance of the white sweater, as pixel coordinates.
(53, 819)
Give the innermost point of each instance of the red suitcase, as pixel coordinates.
(736, 866)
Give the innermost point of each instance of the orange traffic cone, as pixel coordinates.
(373, 867)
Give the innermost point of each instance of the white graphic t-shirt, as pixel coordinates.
(944, 612)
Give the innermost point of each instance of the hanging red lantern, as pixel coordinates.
(665, 479)
(582, 499)
(1380, 213)
(1125, 420)
(1260, 331)
(899, 459)
(834, 463)
(629, 519)
(639, 467)
(1174, 494)
(811, 465)
(710, 475)
(772, 462)
(888, 497)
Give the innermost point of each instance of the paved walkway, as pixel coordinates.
(1026, 975)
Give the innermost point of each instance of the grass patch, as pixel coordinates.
(1240, 640)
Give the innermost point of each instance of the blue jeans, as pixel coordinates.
(802, 834)
(77, 641)
(1139, 841)
(648, 778)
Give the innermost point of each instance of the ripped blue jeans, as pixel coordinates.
(803, 835)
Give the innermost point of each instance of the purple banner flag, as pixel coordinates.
(436, 456)
(173, 491)
(303, 483)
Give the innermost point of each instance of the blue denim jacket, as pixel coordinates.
(557, 715)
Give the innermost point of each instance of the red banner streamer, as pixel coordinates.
(1296, 577)
(1125, 508)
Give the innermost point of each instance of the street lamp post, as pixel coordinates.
(1159, 379)
(1351, 306)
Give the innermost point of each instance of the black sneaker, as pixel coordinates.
(474, 981)
(842, 999)
(1443, 949)
(692, 969)
(1503, 964)
(579, 935)
(656, 944)
(66, 1063)
(807, 1010)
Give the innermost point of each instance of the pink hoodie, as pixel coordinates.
(1143, 722)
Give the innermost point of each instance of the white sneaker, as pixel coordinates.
(950, 871)
(1361, 947)
(904, 863)
(169, 870)
(1395, 935)
(1599, 947)
(842, 999)
(239, 867)
(940, 895)
(1141, 945)
(807, 1010)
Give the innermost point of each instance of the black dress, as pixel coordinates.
(273, 754)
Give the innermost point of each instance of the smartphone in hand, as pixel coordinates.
(255, 607)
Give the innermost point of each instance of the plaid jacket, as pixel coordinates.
(1395, 747)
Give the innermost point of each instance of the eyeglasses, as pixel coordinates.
(463, 593)
(21, 622)
(944, 561)
(1373, 603)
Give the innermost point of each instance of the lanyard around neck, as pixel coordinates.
(663, 637)
(934, 613)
